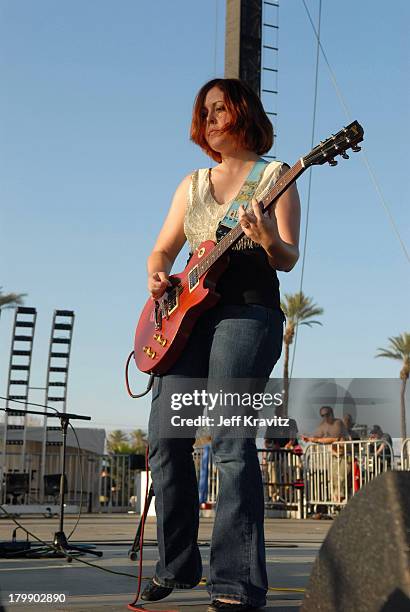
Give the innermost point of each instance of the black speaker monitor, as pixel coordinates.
(52, 484)
(17, 484)
(137, 462)
(363, 564)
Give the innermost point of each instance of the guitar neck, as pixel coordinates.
(237, 232)
(280, 186)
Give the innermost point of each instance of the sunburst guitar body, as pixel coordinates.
(165, 324)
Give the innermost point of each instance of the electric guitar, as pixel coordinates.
(165, 324)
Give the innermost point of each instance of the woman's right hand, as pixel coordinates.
(158, 282)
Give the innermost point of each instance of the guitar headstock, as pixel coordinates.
(337, 144)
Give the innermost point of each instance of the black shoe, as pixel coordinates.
(155, 592)
(224, 606)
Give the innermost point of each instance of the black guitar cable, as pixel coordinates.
(149, 385)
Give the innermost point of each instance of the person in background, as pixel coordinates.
(107, 487)
(349, 424)
(383, 443)
(354, 436)
(332, 431)
(282, 437)
(278, 438)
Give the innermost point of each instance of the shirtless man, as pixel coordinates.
(330, 431)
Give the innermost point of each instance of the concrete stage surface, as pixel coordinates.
(291, 547)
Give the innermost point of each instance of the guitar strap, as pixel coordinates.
(244, 197)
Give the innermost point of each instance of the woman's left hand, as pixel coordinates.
(259, 226)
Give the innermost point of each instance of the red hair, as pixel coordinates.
(249, 123)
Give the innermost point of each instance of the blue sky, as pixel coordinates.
(94, 118)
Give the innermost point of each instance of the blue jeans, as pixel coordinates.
(243, 341)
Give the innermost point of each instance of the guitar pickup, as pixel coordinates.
(172, 301)
(193, 278)
(162, 341)
(149, 351)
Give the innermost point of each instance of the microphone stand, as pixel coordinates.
(61, 544)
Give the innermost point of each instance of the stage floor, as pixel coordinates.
(291, 549)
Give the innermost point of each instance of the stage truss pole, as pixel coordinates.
(15, 425)
(251, 49)
(56, 378)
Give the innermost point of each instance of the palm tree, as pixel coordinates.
(123, 448)
(116, 440)
(299, 310)
(139, 441)
(10, 300)
(400, 349)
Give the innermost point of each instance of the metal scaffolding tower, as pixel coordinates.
(251, 49)
(18, 384)
(269, 73)
(57, 377)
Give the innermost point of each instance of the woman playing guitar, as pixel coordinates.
(240, 337)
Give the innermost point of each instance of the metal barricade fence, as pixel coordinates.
(106, 483)
(334, 472)
(82, 474)
(103, 483)
(294, 484)
(282, 477)
(117, 484)
(282, 472)
(100, 482)
(405, 454)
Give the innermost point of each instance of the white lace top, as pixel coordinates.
(203, 213)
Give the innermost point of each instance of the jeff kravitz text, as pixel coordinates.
(236, 420)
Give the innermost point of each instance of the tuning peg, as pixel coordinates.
(356, 148)
(345, 155)
(332, 162)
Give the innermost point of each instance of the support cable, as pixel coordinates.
(364, 156)
(312, 142)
